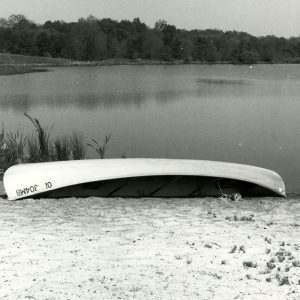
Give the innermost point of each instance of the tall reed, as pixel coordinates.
(100, 149)
(43, 139)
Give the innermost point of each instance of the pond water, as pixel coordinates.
(219, 112)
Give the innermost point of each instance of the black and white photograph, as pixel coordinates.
(150, 149)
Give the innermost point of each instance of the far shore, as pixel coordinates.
(40, 64)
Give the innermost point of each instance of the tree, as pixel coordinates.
(186, 48)
(160, 25)
(58, 45)
(100, 45)
(95, 39)
(22, 34)
(14, 20)
(42, 43)
(152, 47)
(205, 49)
(168, 34)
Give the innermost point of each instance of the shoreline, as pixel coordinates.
(289, 196)
(31, 67)
(15, 70)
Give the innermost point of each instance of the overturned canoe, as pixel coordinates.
(139, 178)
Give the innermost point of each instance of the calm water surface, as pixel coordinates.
(220, 112)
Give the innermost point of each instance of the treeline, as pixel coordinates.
(97, 39)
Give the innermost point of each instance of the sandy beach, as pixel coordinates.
(96, 248)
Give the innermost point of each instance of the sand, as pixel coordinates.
(116, 248)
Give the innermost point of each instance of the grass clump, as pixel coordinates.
(14, 150)
(77, 146)
(62, 148)
(33, 150)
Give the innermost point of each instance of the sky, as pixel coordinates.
(257, 17)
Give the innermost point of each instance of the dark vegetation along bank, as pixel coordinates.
(93, 39)
(16, 148)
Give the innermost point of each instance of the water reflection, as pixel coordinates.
(16, 102)
(222, 81)
(23, 102)
(205, 88)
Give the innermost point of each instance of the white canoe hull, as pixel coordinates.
(143, 177)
